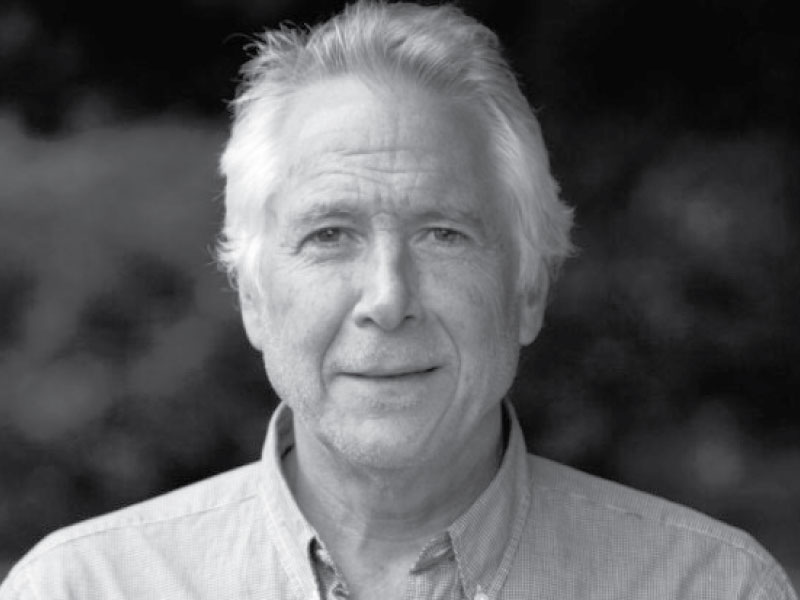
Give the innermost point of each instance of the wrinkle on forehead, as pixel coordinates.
(343, 161)
(346, 115)
(333, 183)
(353, 143)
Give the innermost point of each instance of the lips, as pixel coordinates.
(391, 372)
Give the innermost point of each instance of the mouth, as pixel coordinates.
(392, 374)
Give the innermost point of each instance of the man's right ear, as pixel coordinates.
(251, 318)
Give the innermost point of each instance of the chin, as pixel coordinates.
(382, 445)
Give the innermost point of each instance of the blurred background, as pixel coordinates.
(668, 360)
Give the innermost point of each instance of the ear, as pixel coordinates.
(251, 318)
(531, 313)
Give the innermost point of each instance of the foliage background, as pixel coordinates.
(668, 358)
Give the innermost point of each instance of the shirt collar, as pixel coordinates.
(292, 532)
(484, 539)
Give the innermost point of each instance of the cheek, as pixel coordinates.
(481, 313)
(495, 324)
(303, 311)
(484, 293)
(302, 315)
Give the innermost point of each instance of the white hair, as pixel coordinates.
(439, 48)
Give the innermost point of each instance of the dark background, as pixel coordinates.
(668, 358)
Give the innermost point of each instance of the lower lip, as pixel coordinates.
(392, 384)
(390, 392)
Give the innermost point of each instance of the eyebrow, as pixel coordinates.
(470, 217)
(322, 210)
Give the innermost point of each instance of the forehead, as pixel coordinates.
(346, 111)
(396, 141)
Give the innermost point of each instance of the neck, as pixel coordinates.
(370, 516)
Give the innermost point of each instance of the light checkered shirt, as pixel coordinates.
(540, 530)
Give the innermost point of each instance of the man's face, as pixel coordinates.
(391, 319)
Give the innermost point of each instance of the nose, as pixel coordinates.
(389, 295)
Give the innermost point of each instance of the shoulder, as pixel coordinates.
(613, 503)
(141, 535)
(638, 537)
(220, 493)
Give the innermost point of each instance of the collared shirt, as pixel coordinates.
(540, 530)
(469, 559)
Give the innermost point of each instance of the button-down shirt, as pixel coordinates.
(540, 530)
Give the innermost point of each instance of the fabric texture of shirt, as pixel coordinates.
(540, 530)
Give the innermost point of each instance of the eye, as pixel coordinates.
(445, 235)
(328, 242)
(327, 235)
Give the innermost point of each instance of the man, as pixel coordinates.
(393, 229)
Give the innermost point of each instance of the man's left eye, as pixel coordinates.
(328, 235)
(446, 235)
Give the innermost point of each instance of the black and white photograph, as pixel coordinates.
(315, 299)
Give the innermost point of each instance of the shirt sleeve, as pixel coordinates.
(17, 586)
(775, 585)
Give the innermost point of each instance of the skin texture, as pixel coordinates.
(391, 320)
